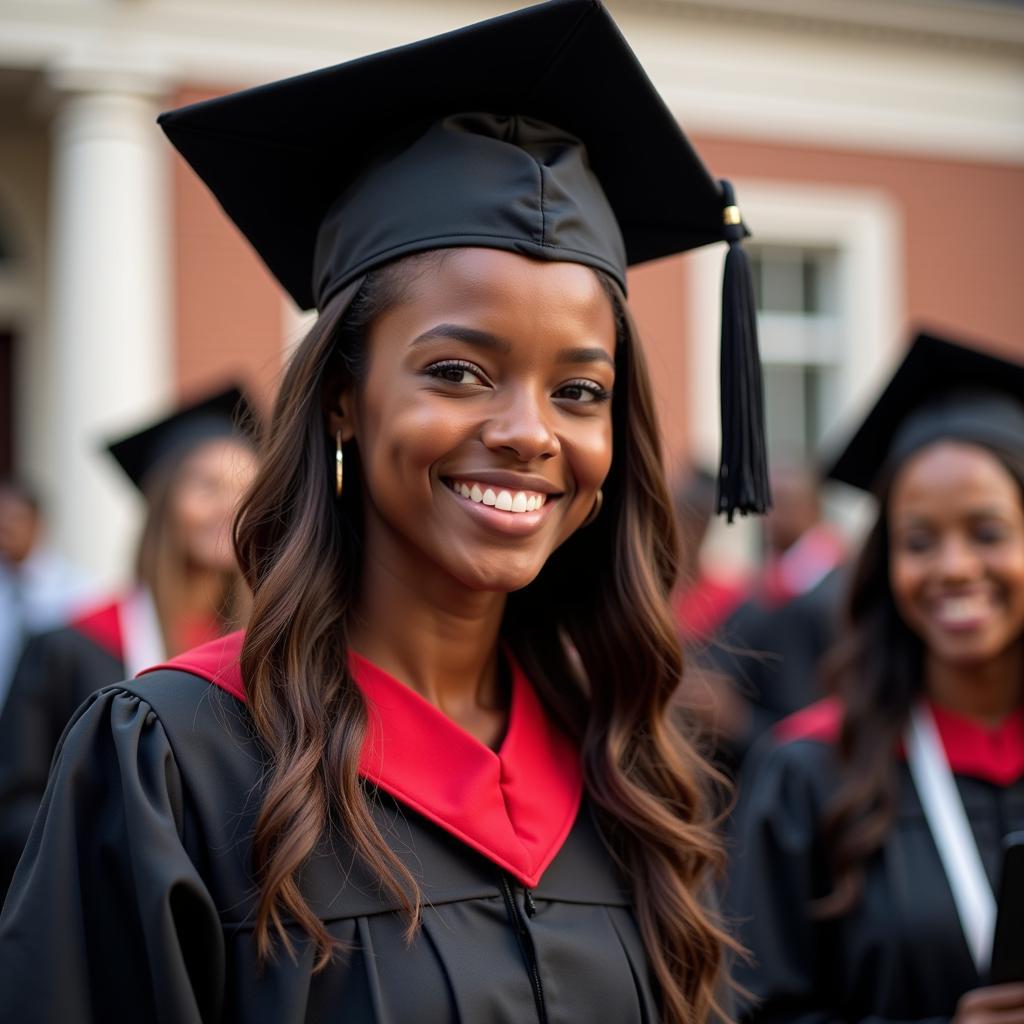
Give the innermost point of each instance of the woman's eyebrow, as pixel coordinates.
(469, 335)
(584, 355)
(491, 342)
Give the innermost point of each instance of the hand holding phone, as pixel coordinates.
(1008, 944)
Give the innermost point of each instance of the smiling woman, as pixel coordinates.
(872, 832)
(956, 523)
(435, 779)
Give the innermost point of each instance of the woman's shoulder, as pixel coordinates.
(217, 663)
(92, 636)
(175, 710)
(797, 763)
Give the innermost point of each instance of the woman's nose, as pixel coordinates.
(957, 559)
(522, 425)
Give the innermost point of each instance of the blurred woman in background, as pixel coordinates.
(192, 468)
(844, 884)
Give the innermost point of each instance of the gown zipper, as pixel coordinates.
(525, 943)
(531, 907)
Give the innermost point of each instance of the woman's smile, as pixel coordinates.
(965, 612)
(507, 510)
(503, 501)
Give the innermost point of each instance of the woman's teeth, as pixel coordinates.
(505, 501)
(957, 610)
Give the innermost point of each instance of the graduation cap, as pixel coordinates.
(225, 414)
(943, 390)
(537, 132)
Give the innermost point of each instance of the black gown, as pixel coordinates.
(772, 654)
(900, 954)
(135, 900)
(57, 671)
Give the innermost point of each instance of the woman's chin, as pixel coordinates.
(498, 576)
(213, 558)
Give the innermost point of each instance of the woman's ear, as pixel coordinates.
(340, 415)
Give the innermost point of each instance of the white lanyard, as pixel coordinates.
(141, 639)
(947, 820)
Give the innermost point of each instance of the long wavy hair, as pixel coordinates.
(877, 670)
(593, 631)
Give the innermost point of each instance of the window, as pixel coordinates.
(801, 343)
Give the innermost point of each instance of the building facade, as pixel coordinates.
(877, 147)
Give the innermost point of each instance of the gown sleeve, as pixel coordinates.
(779, 867)
(107, 917)
(27, 741)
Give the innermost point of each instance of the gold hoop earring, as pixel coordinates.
(339, 466)
(596, 510)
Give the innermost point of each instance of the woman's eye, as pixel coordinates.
(583, 391)
(456, 372)
(989, 533)
(916, 542)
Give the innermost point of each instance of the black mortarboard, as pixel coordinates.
(537, 132)
(942, 390)
(225, 414)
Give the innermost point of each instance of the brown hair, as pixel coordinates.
(877, 669)
(160, 563)
(645, 781)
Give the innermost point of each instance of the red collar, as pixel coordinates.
(994, 754)
(102, 625)
(515, 806)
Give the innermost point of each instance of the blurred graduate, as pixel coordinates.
(191, 468)
(870, 831)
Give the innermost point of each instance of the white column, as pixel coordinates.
(109, 305)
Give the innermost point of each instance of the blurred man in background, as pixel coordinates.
(38, 587)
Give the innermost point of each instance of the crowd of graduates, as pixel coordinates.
(801, 674)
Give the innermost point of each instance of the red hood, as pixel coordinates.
(515, 806)
(994, 754)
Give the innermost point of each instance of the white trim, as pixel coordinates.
(781, 76)
(141, 638)
(951, 829)
(956, 23)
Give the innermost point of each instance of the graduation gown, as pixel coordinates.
(900, 954)
(56, 672)
(135, 899)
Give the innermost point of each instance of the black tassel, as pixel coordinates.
(743, 472)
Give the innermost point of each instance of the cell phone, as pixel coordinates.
(1008, 944)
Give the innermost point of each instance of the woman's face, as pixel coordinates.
(484, 420)
(210, 484)
(956, 566)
